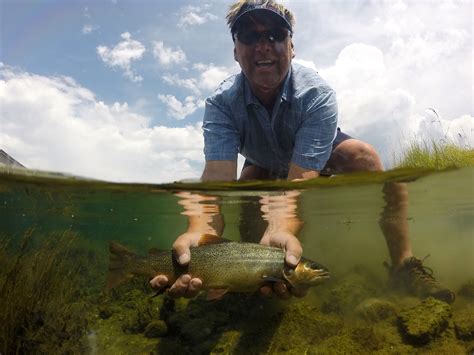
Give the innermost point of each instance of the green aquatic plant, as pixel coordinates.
(436, 156)
(41, 307)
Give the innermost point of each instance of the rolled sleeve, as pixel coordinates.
(314, 138)
(221, 138)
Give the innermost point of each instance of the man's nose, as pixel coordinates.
(264, 42)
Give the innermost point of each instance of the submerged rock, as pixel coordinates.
(135, 320)
(464, 324)
(347, 294)
(156, 329)
(306, 326)
(467, 290)
(375, 310)
(421, 324)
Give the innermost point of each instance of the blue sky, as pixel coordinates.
(115, 89)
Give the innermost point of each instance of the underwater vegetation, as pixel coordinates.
(53, 302)
(45, 291)
(355, 314)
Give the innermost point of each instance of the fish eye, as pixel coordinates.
(314, 266)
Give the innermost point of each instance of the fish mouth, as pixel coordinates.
(324, 275)
(321, 276)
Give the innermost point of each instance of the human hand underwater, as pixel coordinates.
(293, 251)
(185, 285)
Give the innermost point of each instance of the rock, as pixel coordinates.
(347, 294)
(375, 310)
(421, 324)
(135, 320)
(467, 290)
(197, 331)
(464, 324)
(105, 312)
(198, 321)
(156, 329)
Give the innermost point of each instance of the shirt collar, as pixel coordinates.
(285, 92)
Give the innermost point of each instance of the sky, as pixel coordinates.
(115, 89)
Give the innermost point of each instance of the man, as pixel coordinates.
(283, 119)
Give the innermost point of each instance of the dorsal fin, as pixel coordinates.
(211, 239)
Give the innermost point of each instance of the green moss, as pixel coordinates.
(464, 324)
(156, 329)
(347, 294)
(375, 310)
(423, 323)
(307, 326)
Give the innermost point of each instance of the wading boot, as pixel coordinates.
(418, 280)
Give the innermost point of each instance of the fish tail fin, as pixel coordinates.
(119, 261)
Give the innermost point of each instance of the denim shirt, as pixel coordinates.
(301, 128)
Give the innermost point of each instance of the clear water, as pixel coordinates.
(341, 231)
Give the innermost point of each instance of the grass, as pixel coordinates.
(43, 307)
(436, 156)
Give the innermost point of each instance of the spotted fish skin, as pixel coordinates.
(233, 266)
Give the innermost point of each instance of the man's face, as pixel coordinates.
(265, 63)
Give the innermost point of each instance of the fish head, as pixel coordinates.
(306, 274)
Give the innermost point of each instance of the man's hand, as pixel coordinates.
(185, 285)
(293, 251)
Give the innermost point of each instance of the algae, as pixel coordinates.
(374, 309)
(43, 295)
(422, 323)
(464, 324)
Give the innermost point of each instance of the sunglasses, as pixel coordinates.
(252, 37)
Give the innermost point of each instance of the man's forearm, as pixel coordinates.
(220, 170)
(280, 212)
(203, 213)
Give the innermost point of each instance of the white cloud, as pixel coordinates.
(211, 75)
(373, 108)
(167, 55)
(75, 133)
(178, 109)
(189, 84)
(388, 62)
(207, 79)
(88, 29)
(122, 55)
(194, 16)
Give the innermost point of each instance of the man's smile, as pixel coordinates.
(264, 63)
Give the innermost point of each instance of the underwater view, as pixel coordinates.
(64, 288)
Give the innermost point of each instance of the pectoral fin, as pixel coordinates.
(272, 279)
(216, 293)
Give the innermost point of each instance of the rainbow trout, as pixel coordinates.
(222, 265)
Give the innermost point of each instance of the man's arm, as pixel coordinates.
(298, 173)
(283, 227)
(220, 170)
(204, 217)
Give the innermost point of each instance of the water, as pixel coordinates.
(55, 230)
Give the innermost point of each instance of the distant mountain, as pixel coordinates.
(7, 160)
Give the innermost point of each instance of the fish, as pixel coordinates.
(222, 265)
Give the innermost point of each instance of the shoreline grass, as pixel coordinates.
(435, 156)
